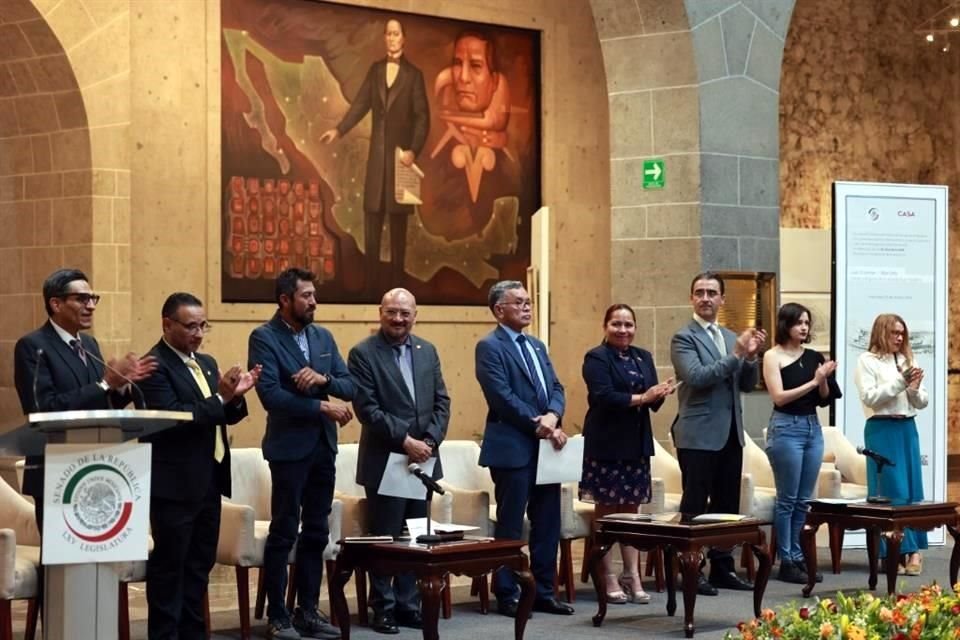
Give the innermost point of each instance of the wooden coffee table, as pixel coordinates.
(683, 540)
(472, 557)
(886, 519)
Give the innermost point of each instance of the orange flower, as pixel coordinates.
(855, 633)
(826, 630)
(886, 614)
(768, 615)
(899, 617)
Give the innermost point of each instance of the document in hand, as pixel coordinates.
(398, 482)
(406, 181)
(565, 465)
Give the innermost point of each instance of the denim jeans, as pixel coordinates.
(795, 450)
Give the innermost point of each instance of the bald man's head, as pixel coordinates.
(398, 314)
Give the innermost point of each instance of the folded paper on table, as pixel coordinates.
(565, 465)
(635, 517)
(720, 517)
(418, 527)
(398, 482)
(838, 500)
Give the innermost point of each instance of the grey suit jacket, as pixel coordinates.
(711, 388)
(383, 405)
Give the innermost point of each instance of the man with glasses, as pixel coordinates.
(59, 368)
(715, 366)
(525, 404)
(190, 467)
(302, 370)
(403, 407)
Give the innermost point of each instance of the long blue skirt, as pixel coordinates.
(896, 439)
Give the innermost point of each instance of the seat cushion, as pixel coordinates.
(25, 569)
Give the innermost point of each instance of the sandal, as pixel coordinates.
(634, 594)
(616, 597)
(914, 568)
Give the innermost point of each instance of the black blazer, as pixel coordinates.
(62, 383)
(385, 409)
(613, 430)
(182, 460)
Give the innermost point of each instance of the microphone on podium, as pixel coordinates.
(76, 344)
(36, 377)
(427, 481)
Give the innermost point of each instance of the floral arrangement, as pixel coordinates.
(928, 614)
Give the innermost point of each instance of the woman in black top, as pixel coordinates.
(799, 380)
(618, 440)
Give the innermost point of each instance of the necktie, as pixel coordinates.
(532, 370)
(218, 448)
(405, 369)
(78, 349)
(718, 339)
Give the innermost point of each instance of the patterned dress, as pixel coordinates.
(613, 482)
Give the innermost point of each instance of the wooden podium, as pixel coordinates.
(80, 600)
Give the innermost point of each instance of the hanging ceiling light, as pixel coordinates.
(944, 22)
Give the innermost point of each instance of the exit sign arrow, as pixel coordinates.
(654, 173)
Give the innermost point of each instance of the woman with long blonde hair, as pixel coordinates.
(891, 391)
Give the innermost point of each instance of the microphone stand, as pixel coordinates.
(879, 499)
(429, 537)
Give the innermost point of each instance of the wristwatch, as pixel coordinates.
(103, 385)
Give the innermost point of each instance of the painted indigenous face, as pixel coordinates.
(474, 81)
(621, 329)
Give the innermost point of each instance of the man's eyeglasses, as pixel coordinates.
(195, 327)
(521, 304)
(83, 298)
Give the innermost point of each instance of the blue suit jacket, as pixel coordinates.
(509, 437)
(294, 422)
(613, 430)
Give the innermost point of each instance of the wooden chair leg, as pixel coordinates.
(291, 586)
(484, 593)
(243, 600)
(772, 549)
(206, 613)
(33, 613)
(746, 560)
(361, 577)
(331, 567)
(836, 546)
(447, 598)
(123, 612)
(584, 566)
(6, 620)
(261, 601)
(565, 574)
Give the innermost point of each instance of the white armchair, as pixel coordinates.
(852, 468)
(19, 559)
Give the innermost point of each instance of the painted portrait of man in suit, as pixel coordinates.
(324, 106)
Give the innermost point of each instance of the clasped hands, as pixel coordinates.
(825, 370)
(417, 450)
(749, 342)
(236, 382)
(547, 429)
(658, 391)
(913, 376)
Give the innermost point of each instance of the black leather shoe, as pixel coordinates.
(409, 619)
(704, 588)
(791, 572)
(508, 608)
(552, 605)
(384, 623)
(730, 580)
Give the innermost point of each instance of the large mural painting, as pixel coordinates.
(377, 149)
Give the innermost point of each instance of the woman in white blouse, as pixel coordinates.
(891, 390)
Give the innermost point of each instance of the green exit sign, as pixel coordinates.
(654, 173)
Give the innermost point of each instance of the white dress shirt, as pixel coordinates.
(883, 389)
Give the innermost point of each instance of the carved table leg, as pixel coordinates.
(599, 549)
(528, 589)
(808, 542)
(894, 538)
(670, 577)
(836, 545)
(955, 556)
(430, 588)
(690, 567)
(338, 580)
(763, 574)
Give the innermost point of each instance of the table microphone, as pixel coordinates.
(876, 457)
(36, 378)
(133, 385)
(427, 481)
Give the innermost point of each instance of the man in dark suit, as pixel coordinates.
(394, 92)
(190, 467)
(525, 404)
(58, 368)
(302, 370)
(403, 407)
(715, 366)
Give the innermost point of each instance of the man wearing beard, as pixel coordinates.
(301, 370)
(403, 407)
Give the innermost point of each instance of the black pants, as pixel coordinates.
(301, 499)
(385, 517)
(711, 483)
(178, 569)
(373, 222)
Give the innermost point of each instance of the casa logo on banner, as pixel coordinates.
(96, 501)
